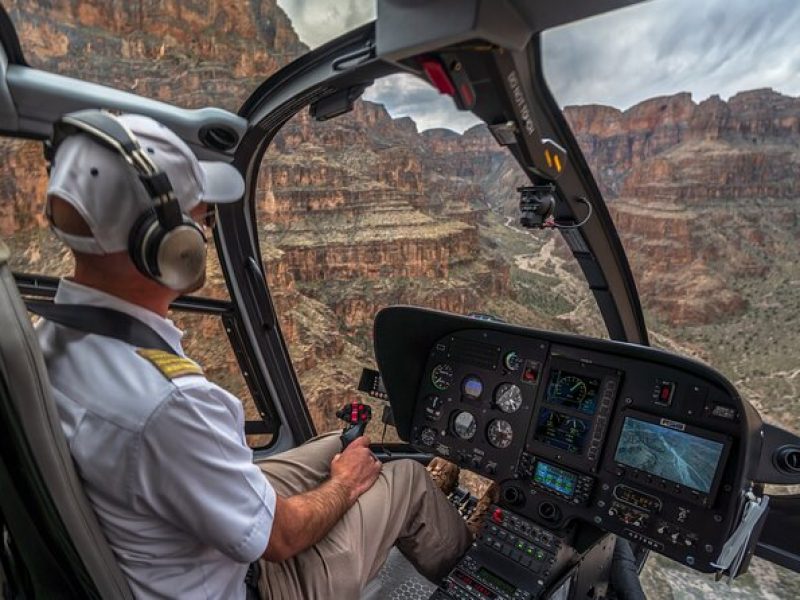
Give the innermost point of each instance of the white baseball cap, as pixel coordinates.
(108, 194)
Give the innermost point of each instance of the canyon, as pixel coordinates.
(365, 211)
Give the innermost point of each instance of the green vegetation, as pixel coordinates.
(539, 291)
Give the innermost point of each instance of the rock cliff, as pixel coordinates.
(693, 188)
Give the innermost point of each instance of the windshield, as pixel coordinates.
(366, 211)
(689, 117)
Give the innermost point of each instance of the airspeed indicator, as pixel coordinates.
(442, 376)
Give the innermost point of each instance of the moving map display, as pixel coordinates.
(562, 431)
(577, 392)
(677, 456)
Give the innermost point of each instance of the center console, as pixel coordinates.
(513, 557)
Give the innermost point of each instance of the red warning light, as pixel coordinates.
(530, 374)
(438, 76)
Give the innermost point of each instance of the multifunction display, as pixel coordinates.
(572, 413)
(677, 456)
(562, 431)
(573, 391)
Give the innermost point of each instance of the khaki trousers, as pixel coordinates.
(404, 507)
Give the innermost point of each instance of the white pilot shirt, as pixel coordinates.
(164, 462)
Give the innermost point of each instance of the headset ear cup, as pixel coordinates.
(181, 256)
(138, 241)
(175, 258)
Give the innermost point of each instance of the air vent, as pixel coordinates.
(788, 459)
(474, 353)
(218, 137)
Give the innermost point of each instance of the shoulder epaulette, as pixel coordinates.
(170, 365)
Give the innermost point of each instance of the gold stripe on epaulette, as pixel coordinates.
(170, 365)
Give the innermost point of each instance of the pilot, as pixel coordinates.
(161, 449)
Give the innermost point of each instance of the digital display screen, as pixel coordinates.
(475, 585)
(677, 456)
(578, 392)
(555, 479)
(562, 431)
(500, 584)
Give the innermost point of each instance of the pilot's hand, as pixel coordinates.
(356, 468)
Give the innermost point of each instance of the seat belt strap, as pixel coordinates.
(101, 321)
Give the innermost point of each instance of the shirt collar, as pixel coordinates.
(70, 292)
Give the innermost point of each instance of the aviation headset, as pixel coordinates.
(165, 244)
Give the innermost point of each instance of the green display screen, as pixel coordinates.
(499, 583)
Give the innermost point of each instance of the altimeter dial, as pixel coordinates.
(500, 433)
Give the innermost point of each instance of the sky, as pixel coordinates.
(656, 48)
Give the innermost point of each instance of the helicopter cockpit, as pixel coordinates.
(604, 450)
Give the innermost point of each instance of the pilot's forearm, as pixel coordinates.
(303, 520)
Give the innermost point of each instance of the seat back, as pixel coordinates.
(59, 547)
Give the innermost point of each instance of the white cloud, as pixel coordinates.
(669, 46)
(621, 58)
(318, 21)
(408, 96)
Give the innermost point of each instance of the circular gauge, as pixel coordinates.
(428, 436)
(512, 361)
(508, 397)
(500, 433)
(570, 387)
(442, 376)
(433, 407)
(576, 425)
(472, 387)
(464, 425)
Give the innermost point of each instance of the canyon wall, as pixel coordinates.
(693, 188)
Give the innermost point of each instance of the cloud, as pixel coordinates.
(317, 22)
(621, 58)
(406, 95)
(657, 48)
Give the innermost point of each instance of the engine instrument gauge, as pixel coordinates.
(464, 425)
(571, 388)
(433, 407)
(512, 361)
(500, 433)
(428, 436)
(508, 397)
(442, 376)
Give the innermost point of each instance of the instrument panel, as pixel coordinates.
(631, 440)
